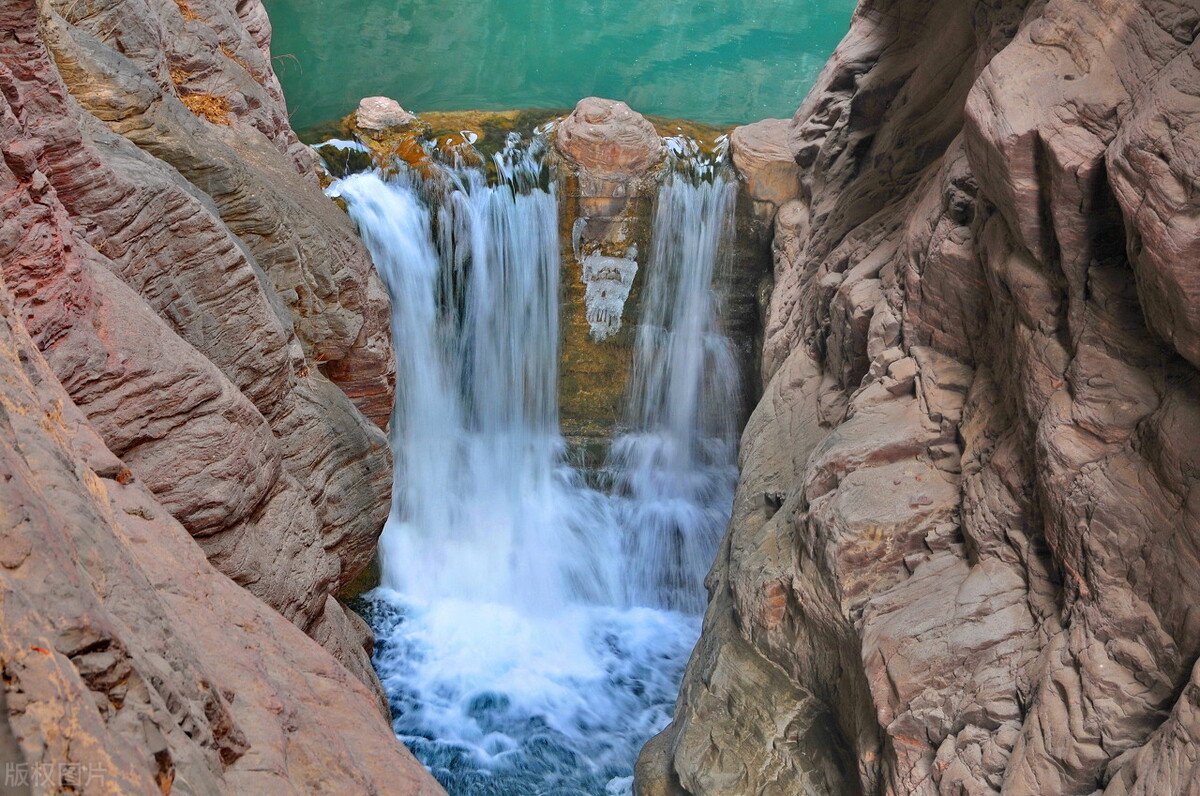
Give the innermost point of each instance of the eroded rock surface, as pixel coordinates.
(761, 154)
(608, 139)
(177, 296)
(963, 555)
(610, 160)
(130, 664)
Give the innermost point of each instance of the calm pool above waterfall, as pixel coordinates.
(732, 61)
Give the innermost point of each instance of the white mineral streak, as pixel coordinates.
(608, 281)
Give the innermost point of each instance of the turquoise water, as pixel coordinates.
(722, 62)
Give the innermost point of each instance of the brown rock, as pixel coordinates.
(607, 139)
(127, 655)
(258, 480)
(316, 265)
(161, 338)
(763, 157)
(1153, 172)
(964, 541)
(655, 772)
(607, 155)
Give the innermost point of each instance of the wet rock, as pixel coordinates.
(607, 157)
(391, 134)
(610, 162)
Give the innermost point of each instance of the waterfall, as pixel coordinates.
(675, 468)
(532, 629)
(482, 499)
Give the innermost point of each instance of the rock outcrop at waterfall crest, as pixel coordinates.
(195, 366)
(965, 549)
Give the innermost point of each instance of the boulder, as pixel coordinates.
(378, 114)
(606, 138)
(762, 156)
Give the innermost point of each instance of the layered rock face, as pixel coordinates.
(965, 544)
(194, 370)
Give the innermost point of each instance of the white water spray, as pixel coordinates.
(532, 630)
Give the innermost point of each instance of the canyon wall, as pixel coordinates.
(195, 372)
(965, 550)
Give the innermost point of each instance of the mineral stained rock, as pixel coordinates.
(610, 160)
(193, 349)
(965, 547)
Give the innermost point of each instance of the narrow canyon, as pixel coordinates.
(427, 433)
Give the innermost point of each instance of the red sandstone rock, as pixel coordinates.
(609, 140)
(128, 656)
(963, 553)
(131, 66)
(761, 154)
(151, 288)
(287, 462)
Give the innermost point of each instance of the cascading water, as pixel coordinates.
(531, 629)
(674, 469)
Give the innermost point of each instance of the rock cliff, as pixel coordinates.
(965, 547)
(194, 370)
